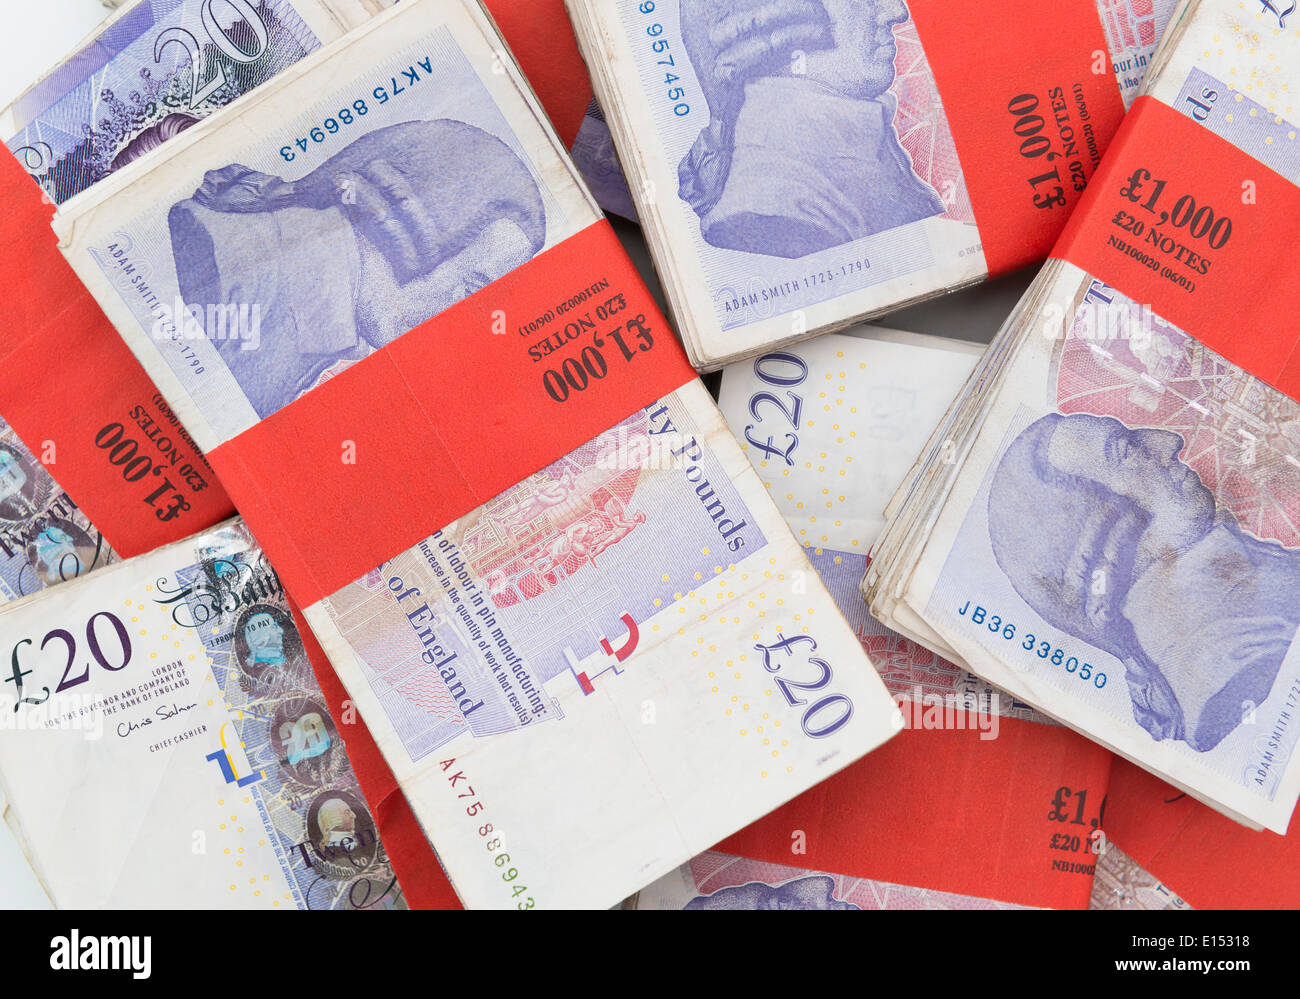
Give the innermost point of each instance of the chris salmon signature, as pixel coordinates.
(163, 711)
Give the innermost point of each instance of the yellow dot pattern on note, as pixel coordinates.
(822, 491)
(1251, 36)
(239, 819)
(240, 826)
(734, 674)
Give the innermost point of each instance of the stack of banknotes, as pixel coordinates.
(565, 675)
(512, 613)
(1104, 522)
(801, 164)
(152, 61)
(168, 704)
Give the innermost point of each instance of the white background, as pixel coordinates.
(38, 33)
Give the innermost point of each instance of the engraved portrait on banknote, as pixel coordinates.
(801, 151)
(811, 151)
(1146, 530)
(1111, 537)
(283, 265)
(402, 226)
(342, 832)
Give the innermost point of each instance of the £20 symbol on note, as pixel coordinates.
(220, 37)
(118, 641)
(824, 716)
(1276, 10)
(768, 369)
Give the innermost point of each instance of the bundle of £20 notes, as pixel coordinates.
(388, 179)
(802, 164)
(1104, 523)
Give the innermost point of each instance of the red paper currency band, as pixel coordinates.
(1009, 818)
(452, 413)
(1022, 80)
(1181, 220)
(77, 397)
(540, 37)
(1208, 859)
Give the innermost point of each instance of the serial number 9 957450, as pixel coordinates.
(662, 47)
